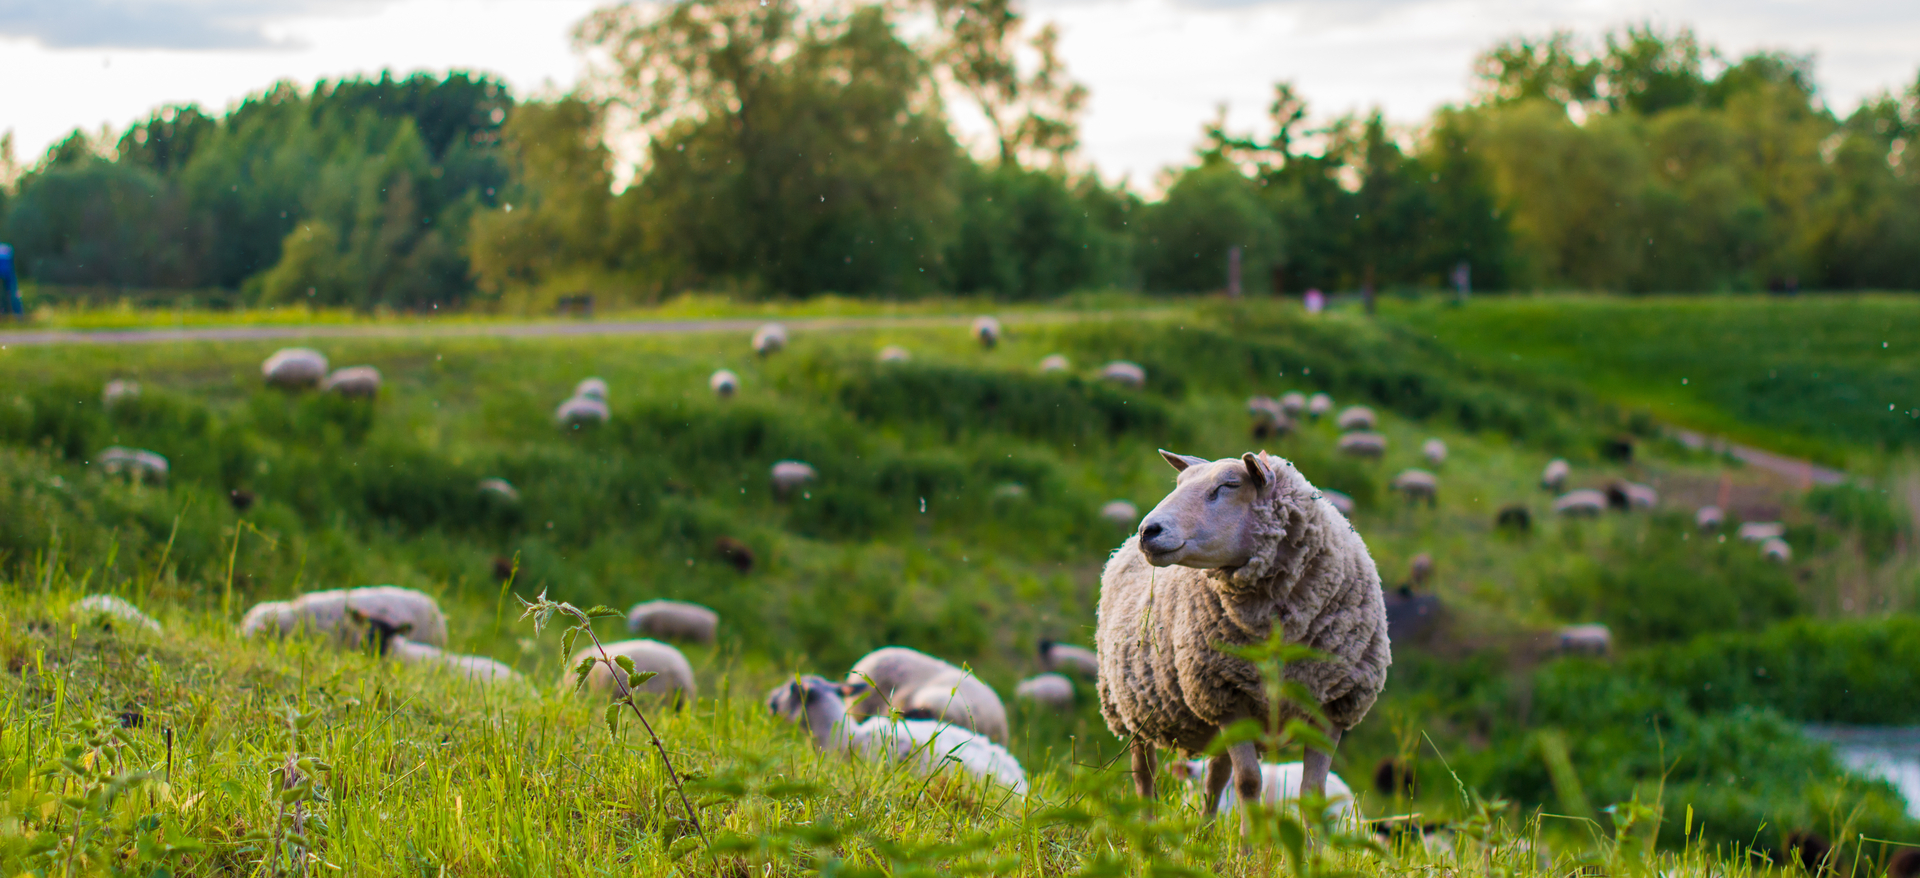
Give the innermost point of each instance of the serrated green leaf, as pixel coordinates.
(566, 641)
(625, 663)
(581, 671)
(636, 680)
(601, 610)
(613, 718)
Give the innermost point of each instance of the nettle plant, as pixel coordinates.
(298, 794)
(95, 819)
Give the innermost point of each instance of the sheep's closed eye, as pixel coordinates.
(1223, 486)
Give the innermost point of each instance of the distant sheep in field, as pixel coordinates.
(342, 615)
(986, 331)
(1356, 417)
(1239, 546)
(1554, 477)
(116, 609)
(1120, 512)
(472, 668)
(137, 463)
(581, 411)
(240, 499)
(1342, 503)
(1905, 864)
(790, 474)
(1055, 363)
(1776, 550)
(1435, 451)
(918, 684)
(1051, 691)
(1409, 614)
(674, 675)
(500, 490)
(1418, 484)
(295, 368)
(119, 390)
(361, 381)
(1419, 570)
(1124, 373)
(1629, 496)
(1586, 640)
(1067, 657)
(1363, 444)
(1582, 503)
(1709, 518)
(724, 384)
(1318, 405)
(734, 552)
(673, 620)
(1279, 784)
(1514, 517)
(1293, 403)
(769, 339)
(928, 746)
(1618, 449)
(591, 388)
(1761, 531)
(1269, 420)
(894, 354)
(1009, 491)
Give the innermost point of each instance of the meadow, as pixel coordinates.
(1681, 753)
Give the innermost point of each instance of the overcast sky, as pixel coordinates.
(1157, 68)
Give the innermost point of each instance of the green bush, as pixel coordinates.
(1660, 584)
(1866, 511)
(1856, 672)
(960, 402)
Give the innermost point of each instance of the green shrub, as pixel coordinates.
(1659, 584)
(1866, 511)
(1856, 672)
(961, 402)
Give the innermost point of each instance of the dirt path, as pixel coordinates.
(1806, 472)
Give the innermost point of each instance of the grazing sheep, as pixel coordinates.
(1342, 503)
(734, 552)
(791, 474)
(119, 390)
(138, 463)
(1051, 691)
(1239, 546)
(1370, 445)
(1419, 570)
(1318, 405)
(1120, 512)
(724, 384)
(1067, 657)
(1293, 402)
(240, 499)
(1514, 517)
(894, 354)
(1593, 639)
(986, 330)
(918, 684)
(344, 614)
(927, 745)
(1628, 496)
(1009, 491)
(1776, 550)
(1279, 784)
(1268, 418)
(591, 388)
(1761, 531)
(673, 620)
(1554, 477)
(675, 675)
(116, 608)
(1055, 363)
(1435, 452)
(1409, 614)
(1356, 417)
(1618, 449)
(499, 489)
(1709, 518)
(1905, 864)
(581, 411)
(471, 668)
(769, 339)
(363, 381)
(265, 616)
(1124, 373)
(1584, 502)
(1418, 484)
(295, 368)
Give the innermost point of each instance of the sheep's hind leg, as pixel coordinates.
(1316, 764)
(1246, 781)
(1219, 771)
(1143, 768)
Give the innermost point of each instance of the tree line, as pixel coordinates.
(792, 152)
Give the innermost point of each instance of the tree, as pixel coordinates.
(1034, 114)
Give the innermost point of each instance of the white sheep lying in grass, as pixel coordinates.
(1632, 495)
(1356, 417)
(1055, 363)
(1051, 691)
(924, 687)
(343, 615)
(501, 489)
(1761, 531)
(591, 388)
(724, 384)
(673, 620)
(1363, 444)
(928, 746)
(1120, 512)
(580, 411)
(769, 339)
(986, 331)
(114, 608)
(472, 668)
(674, 675)
(1240, 546)
(790, 474)
(119, 390)
(894, 353)
(1318, 405)
(1279, 783)
(1435, 451)
(1554, 477)
(1067, 657)
(1124, 373)
(137, 463)
(295, 368)
(1776, 550)
(1418, 484)
(361, 381)
(1709, 518)
(1591, 639)
(1584, 502)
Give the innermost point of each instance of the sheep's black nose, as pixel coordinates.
(1150, 530)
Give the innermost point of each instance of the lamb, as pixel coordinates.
(929, 746)
(117, 391)
(1242, 545)
(471, 668)
(500, 490)
(790, 474)
(1776, 550)
(1582, 503)
(137, 463)
(1293, 402)
(1418, 484)
(339, 615)
(986, 330)
(1631, 495)
(581, 411)
(1279, 784)
(1363, 444)
(115, 608)
(673, 620)
(295, 368)
(1709, 518)
(1554, 477)
(1124, 373)
(1067, 657)
(894, 353)
(1120, 512)
(1051, 691)
(363, 381)
(724, 384)
(674, 675)
(1318, 405)
(1592, 639)
(918, 684)
(1435, 451)
(1761, 531)
(591, 388)
(1055, 363)
(769, 339)
(1356, 417)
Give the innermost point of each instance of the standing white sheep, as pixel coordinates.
(1318, 405)
(581, 411)
(674, 676)
(1776, 550)
(1279, 784)
(1055, 363)
(1585, 502)
(894, 353)
(119, 390)
(1591, 639)
(986, 331)
(1051, 691)
(791, 474)
(1709, 518)
(1631, 495)
(361, 381)
(1363, 444)
(920, 685)
(1124, 373)
(1240, 546)
(724, 384)
(1067, 657)
(1356, 417)
(819, 706)
(295, 368)
(1761, 531)
(769, 339)
(137, 463)
(1435, 451)
(591, 388)
(673, 620)
(1554, 477)
(1293, 402)
(1418, 484)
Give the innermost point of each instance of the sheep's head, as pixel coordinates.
(791, 700)
(1213, 518)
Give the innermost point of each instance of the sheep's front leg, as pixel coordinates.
(1313, 774)
(1246, 781)
(1143, 768)
(1219, 771)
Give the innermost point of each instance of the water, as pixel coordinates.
(1891, 753)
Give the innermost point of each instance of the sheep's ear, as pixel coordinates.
(1181, 461)
(1256, 470)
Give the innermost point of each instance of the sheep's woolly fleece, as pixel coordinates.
(1161, 677)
